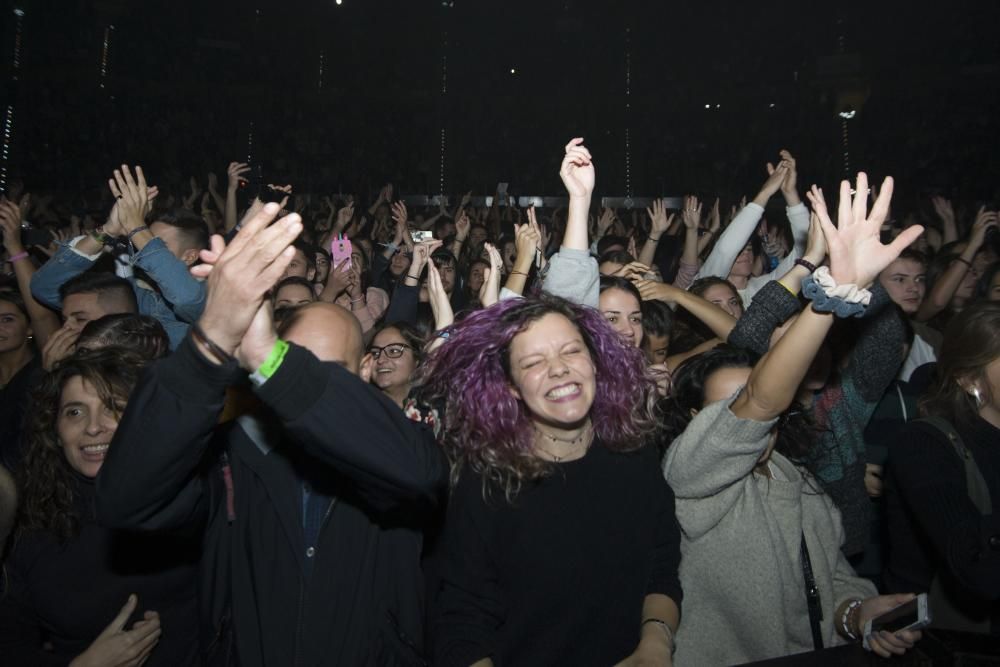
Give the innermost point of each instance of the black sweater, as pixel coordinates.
(363, 603)
(560, 577)
(66, 594)
(932, 522)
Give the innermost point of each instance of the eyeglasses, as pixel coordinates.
(392, 350)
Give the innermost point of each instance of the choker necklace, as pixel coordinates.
(584, 437)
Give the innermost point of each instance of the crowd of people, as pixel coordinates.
(243, 425)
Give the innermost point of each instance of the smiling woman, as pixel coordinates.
(547, 418)
(58, 543)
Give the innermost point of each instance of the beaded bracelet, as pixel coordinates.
(807, 264)
(847, 617)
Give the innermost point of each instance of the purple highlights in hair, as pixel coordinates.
(487, 428)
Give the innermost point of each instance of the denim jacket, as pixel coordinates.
(176, 303)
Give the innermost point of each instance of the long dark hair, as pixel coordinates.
(796, 433)
(46, 478)
(971, 343)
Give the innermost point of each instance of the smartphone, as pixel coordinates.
(340, 251)
(420, 236)
(912, 615)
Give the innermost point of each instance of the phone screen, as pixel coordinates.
(896, 619)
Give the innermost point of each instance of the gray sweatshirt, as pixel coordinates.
(744, 593)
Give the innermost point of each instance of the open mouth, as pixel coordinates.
(563, 392)
(96, 452)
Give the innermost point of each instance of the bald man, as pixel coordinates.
(312, 508)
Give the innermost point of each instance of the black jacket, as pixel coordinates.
(169, 466)
(66, 593)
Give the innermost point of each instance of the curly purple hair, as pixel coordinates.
(488, 429)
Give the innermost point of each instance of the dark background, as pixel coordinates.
(185, 80)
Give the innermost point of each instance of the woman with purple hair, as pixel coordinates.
(560, 544)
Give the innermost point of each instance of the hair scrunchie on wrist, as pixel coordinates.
(829, 297)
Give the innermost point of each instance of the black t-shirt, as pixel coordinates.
(560, 575)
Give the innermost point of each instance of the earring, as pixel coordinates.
(978, 396)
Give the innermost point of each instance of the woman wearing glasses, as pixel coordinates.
(397, 350)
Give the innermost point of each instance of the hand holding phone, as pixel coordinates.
(908, 616)
(340, 250)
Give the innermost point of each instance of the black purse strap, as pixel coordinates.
(812, 596)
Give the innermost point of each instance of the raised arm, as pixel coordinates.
(720, 261)
(527, 239)
(946, 285)
(715, 318)
(234, 173)
(44, 322)
(573, 272)
(659, 224)
(856, 258)
(946, 213)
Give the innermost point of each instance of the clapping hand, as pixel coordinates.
(239, 275)
(134, 199)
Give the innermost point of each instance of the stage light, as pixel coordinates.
(848, 114)
(18, 12)
(339, 2)
(513, 71)
(771, 105)
(708, 106)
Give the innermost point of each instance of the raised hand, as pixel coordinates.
(235, 172)
(605, 222)
(399, 213)
(984, 221)
(775, 177)
(659, 221)
(577, 170)
(714, 219)
(240, 274)
(691, 214)
(444, 316)
(856, 253)
(133, 197)
(789, 185)
(527, 238)
(489, 292)
(944, 209)
(344, 216)
(421, 256)
(118, 647)
(462, 227)
(10, 226)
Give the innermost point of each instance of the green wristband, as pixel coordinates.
(271, 364)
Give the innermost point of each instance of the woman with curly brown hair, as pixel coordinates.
(66, 576)
(560, 544)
